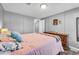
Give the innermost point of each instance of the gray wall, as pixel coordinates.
(68, 25)
(1, 15)
(58, 28)
(17, 22)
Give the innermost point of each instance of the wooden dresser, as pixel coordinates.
(63, 37)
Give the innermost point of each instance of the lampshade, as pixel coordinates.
(4, 31)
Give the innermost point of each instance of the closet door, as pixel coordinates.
(13, 22)
(1, 16)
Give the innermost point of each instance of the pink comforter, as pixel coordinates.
(38, 44)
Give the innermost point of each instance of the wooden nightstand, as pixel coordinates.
(63, 37)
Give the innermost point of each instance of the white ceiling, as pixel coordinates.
(34, 9)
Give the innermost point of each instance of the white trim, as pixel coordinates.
(73, 48)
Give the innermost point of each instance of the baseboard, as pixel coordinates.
(73, 48)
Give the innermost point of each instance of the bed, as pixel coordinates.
(39, 44)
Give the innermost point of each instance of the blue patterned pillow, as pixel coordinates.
(11, 46)
(17, 36)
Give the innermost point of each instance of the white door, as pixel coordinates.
(36, 25)
(39, 25)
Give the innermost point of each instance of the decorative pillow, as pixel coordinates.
(11, 46)
(2, 48)
(8, 46)
(17, 36)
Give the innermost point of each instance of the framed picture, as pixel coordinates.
(55, 21)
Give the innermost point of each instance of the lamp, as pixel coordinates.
(4, 31)
(43, 5)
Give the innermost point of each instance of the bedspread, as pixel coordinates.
(38, 44)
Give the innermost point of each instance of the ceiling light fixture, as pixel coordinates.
(43, 5)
